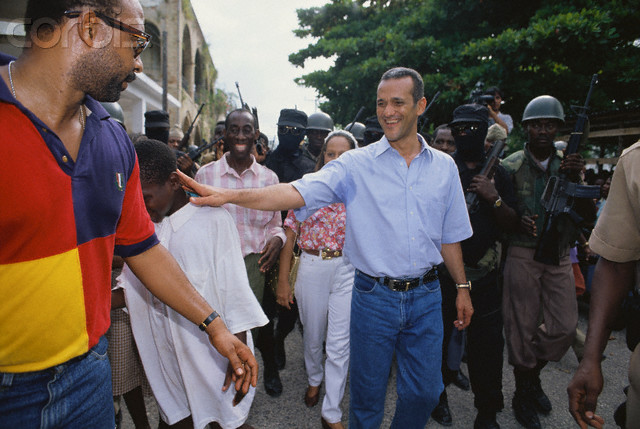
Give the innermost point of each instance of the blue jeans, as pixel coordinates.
(407, 323)
(75, 394)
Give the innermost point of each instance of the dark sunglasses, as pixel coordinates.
(142, 38)
(286, 129)
(460, 129)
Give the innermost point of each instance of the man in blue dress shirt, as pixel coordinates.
(406, 213)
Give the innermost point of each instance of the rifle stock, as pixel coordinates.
(560, 195)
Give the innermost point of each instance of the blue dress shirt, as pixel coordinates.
(397, 216)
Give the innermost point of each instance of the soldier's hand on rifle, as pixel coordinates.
(485, 188)
(528, 225)
(572, 166)
(185, 164)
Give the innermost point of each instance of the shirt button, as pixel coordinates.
(44, 130)
(413, 238)
(64, 158)
(411, 188)
(411, 213)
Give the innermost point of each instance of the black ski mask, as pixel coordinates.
(289, 143)
(469, 129)
(161, 134)
(470, 144)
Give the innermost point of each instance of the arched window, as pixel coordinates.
(199, 74)
(187, 62)
(152, 56)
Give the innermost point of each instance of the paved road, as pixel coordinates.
(289, 411)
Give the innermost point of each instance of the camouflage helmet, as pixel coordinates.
(357, 129)
(115, 111)
(320, 121)
(543, 107)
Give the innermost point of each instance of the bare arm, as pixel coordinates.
(161, 274)
(612, 281)
(282, 196)
(452, 255)
(284, 297)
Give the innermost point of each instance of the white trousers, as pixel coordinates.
(323, 292)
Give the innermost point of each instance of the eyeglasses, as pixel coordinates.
(142, 38)
(459, 129)
(547, 126)
(294, 131)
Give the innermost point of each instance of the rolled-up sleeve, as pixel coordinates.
(321, 188)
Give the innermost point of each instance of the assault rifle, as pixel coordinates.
(348, 128)
(488, 170)
(560, 194)
(246, 107)
(423, 116)
(195, 153)
(187, 135)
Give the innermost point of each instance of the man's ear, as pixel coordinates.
(422, 104)
(174, 180)
(93, 34)
(257, 135)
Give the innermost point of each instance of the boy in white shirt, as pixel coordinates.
(186, 374)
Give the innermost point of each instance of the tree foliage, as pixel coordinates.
(527, 48)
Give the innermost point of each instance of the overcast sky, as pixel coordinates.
(250, 42)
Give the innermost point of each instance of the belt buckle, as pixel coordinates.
(325, 254)
(407, 284)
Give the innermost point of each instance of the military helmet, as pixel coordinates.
(543, 107)
(357, 129)
(115, 111)
(320, 121)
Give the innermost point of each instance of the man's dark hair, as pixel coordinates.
(493, 91)
(400, 72)
(226, 120)
(157, 161)
(41, 12)
(438, 128)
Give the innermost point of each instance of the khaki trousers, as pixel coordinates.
(532, 289)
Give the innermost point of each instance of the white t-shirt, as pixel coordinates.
(185, 372)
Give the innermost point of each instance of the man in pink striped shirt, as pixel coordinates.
(261, 233)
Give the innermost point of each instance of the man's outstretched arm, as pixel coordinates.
(161, 274)
(282, 196)
(611, 282)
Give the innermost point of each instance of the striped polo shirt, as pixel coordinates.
(60, 220)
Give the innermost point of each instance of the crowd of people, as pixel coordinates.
(385, 245)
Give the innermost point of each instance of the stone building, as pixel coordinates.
(189, 70)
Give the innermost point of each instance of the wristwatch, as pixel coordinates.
(498, 203)
(466, 285)
(208, 320)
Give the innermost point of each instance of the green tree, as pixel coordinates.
(527, 48)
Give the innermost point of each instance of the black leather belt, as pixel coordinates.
(403, 285)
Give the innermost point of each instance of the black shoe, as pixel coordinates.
(272, 383)
(278, 352)
(486, 421)
(525, 411)
(540, 399)
(441, 413)
(461, 380)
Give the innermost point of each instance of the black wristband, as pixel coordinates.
(208, 320)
